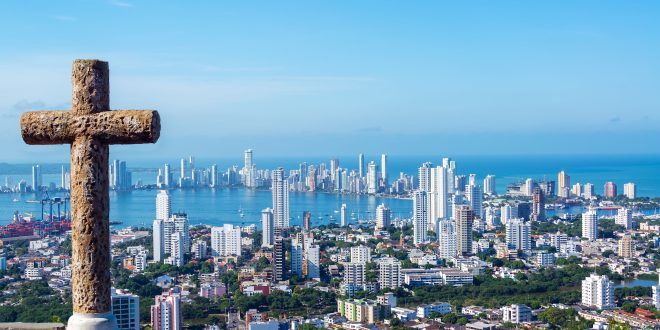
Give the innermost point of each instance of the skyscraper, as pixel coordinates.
(464, 219)
(344, 215)
(372, 178)
(307, 220)
(383, 217)
(420, 216)
(297, 255)
(563, 181)
(626, 247)
(630, 190)
(438, 197)
(268, 228)
(538, 205)
(214, 176)
(590, 225)
(280, 191)
(279, 261)
(624, 218)
(313, 262)
(361, 165)
(36, 178)
(163, 205)
(167, 176)
(518, 235)
(389, 275)
(489, 185)
(609, 189)
(446, 238)
(508, 212)
(425, 177)
(166, 311)
(588, 192)
(598, 292)
(163, 231)
(226, 241)
(361, 254)
(475, 197)
(176, 250)
(383, 169)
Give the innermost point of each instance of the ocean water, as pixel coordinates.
(220, 206)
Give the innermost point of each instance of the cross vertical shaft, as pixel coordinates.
(89, 194)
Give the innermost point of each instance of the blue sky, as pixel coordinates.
(321, 78)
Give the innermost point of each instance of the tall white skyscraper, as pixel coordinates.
(372, 178)
(598, 292)
(280, 191)
(425, 177)
(624, 217)
(630, 190)
(472, 180)
(226, 240)
(166, 311)
(518, 235)
(163, 231)
(464, 220)
(163, 205)
(590, 225)
(446, 232)
(438, 198)
(489, 185)
(588, 191)
(182, 175)
(36, 178)
(344, 215)
(383, 169)
(383, 217)
(420, 216)
(361, 165)
(268, 228)
(176, 251)
(508, 212)
(389, 275)
(314, 262)
(475, 197)
(167, 176)
(214, 176)
(297, 255)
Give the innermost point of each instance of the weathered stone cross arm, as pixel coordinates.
(90, 128)
(108, 127)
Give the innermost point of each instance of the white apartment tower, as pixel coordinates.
(268, 228)
(163, 205)
(344, 215)
(360, 254)
(389, 273)
(518, 235)
(372, 178)
(280, 191)
(383, 217)
(598, 292)
(489, 185)
(590, 225)
(420, 216)
(475, 197)
(446, 238)
(439, 194)
(630, 190)
(624, 217)
(226, 241)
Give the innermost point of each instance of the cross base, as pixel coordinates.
(92, 321)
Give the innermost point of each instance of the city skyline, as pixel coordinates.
(567, 72)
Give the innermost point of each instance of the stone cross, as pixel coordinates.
(90, 127)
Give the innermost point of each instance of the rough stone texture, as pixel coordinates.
(31, 326)
(90, 127)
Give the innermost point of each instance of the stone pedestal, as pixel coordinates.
(92, 321)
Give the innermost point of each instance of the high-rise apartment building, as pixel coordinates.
(226, 241)
(389, 275)
(598, 292)
(280, 191)
(360, 254)
(624, 217)
(464, 219)
(609, 189)
(590, 225)
(383, 217)
(163, 231)
(446, 238)
(166, 311)
(630, 190)
(268, 228)
(126, 309)
(420, 217)
(489, 185)
(372, 178)
(343, 215)
(163, 205)
(518, 235)
(475, 198)
(626, 247)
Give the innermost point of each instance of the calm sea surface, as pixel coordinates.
(222, 206)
